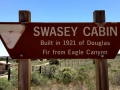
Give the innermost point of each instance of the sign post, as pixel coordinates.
(24, 65)
(101, 64)
(25, 40)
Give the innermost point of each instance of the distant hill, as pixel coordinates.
(5, 57)
(118, 54)
(10, 57)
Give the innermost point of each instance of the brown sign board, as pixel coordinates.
(60, 40)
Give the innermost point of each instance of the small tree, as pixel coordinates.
(65, 75)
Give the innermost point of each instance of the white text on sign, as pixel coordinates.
(72, 31)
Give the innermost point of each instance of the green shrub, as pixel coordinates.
(109, 65)
(2, 59)
(119, 67)
(53, 68)
(113, 71)
(14, 78)
(5, 84)
(65, 75)
(35, 79)
(49, 71)
(82, 73)
(115, 80)
(38, 79)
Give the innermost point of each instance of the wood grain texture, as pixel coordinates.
(24, 65)
(24, 16)
(99, 16)
(101, 64)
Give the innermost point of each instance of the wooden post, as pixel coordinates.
(6, 63)
(101, 64)
(24, 65)
(9, 71)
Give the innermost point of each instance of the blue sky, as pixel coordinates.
(58, 11)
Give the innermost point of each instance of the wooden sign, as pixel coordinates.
(60, 40)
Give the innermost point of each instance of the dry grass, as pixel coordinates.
(90, 84)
